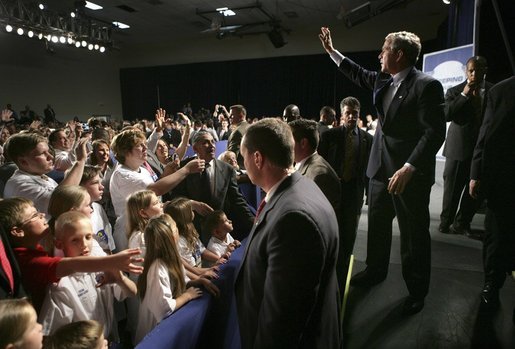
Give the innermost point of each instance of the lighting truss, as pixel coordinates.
(78, 29)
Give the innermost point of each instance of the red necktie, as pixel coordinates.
(260, 208)
(6, 265)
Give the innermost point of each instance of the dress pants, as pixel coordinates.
(499, 244)
(456, 176)
(412, 211)
(350, 211)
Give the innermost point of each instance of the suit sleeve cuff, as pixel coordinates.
(337, 57)
(410, 166)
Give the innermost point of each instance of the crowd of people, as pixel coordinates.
(101, 221)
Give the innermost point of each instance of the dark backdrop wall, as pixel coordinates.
(263, 86)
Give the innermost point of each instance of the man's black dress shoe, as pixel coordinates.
(412, 305)
(366, 278)
(444, 229)
(459, 230)
(490, 296)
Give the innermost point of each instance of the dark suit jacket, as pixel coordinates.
(286, 290)
(319, 170)
(233, 143)
(414, 127)
(464, 127)
(226, 197)
(5, 289)
(493, 162)
(332, 149)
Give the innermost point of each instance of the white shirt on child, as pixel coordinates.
(33, 187)
(193, 257)
(159, 301)
(102, 228)
(75, 298)
(218, 246)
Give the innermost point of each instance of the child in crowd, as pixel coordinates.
(30, 152)
(191, 248)
(26, 227)
(18, 325)
(163, 287)
(64, 199)
(101, 227)
(141, 206)
(220, 227)
(79, 296)
(88, 334)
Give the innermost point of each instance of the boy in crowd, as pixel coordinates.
(79, 296)
(100, 222)
(26, 227)
(30, 152)
(220, 227)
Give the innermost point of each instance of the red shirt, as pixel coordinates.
(38, 270)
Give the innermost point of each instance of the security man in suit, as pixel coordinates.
(464, 108)
(347, 149)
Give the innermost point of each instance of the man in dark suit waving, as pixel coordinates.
(286, 290)
(401, 167)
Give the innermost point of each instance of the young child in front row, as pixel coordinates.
(103, 232)
(191, 248)
(18, 325)
(26, 227)
(163, 287)
(87, 334)
(82, 296)
(219, 226)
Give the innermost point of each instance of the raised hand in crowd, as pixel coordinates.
(160, 119)
(7, 116)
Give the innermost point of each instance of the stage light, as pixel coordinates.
(70, 41)
(102, 49)
(84, 43)
(90, 47)
(72, 14)
(55, 39)
(447, 2)
(62, 40)
(20, 31)
(30, 33)
(48, 37)
(40, 36)
(93, 6)
(77, 44)
(8, 28)
(41, 7)
(96, 47)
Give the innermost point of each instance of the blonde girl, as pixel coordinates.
(18, 325)
(69, 198)
(87, 334)
(163, 287)
(190, 247)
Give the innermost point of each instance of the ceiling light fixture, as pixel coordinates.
(227, 12)
(93, 6)
(121, 25)
(8, 28)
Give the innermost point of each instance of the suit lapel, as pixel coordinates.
(400, 96)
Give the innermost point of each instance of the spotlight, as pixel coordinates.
(90, 47)
(41, 7)
(96, 47)
(30, 33)
(8, 28)
(48, 37)
(77, 44)
(73, 14)
(70, 41)
(84, 43)
(102, 49)
(55, 39)
(62, 40)
(40, 36)
(20, 31)
(447, 2)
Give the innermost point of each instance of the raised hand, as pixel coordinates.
(160, 118)
(6, 115)
(325, 38)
